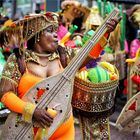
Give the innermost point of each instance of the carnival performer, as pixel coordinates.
(28, 65)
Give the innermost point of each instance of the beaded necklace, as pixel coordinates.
(33, 56)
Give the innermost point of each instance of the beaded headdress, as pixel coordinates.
(94, 20)
(33, 24)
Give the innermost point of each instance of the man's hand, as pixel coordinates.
(42, 117)
(111, 25)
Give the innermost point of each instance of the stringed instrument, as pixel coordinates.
(58, 91)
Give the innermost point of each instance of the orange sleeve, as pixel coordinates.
(97, 49)
(13, 102)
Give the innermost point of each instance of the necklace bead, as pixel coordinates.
(43, 54)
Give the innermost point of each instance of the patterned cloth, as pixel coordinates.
(95, 128)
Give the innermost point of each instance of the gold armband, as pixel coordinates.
(28, 112)
(103, 41)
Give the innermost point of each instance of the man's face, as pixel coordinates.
(49, 40)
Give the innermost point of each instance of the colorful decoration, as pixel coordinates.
(107, 66)
(71, 44)
(108, 7)
(83, 75)
(133, 60)
(62, 31)
(66, 37)
(98, 75)
(133, 79)
(97, 50)
(110, 68)
(92, 63)
(136, 79)
(113, 76)
(135, 44)
(87, 36)
(126, 46)
(8, 24)
(108, 49)
(40, 92)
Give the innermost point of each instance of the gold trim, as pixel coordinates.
(42, 54)
(9, 79)
(28, 112)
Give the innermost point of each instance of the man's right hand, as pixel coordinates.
(42, 117)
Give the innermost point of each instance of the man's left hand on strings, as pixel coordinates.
(111, 25)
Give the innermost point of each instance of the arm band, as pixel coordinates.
(17, 105)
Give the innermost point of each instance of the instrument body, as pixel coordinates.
(16, 129)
